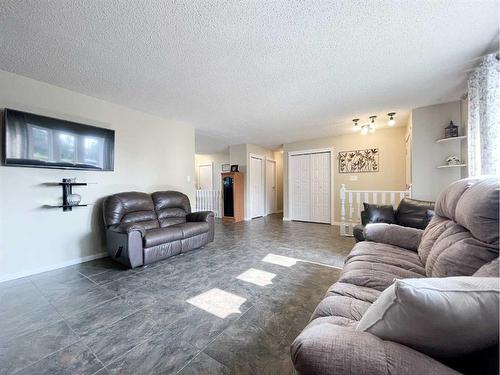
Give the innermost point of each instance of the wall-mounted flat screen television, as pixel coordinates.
(38, 141)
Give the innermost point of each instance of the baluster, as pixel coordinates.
(383, 197)
(342, 210)
(367, 200)
(350, 213)
(393, 201)
(358, 206)
(375, 197)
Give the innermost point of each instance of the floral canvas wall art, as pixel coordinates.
(359, 161)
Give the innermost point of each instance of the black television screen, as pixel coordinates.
(38, 141)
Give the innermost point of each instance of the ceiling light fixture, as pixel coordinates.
(356, 126)
(372, 124)
(391, 122)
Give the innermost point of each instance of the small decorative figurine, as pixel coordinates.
(234, 168)
(451, 130)
(453, 160)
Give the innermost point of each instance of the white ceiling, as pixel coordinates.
(263, 72)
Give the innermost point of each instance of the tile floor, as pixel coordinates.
(232, 307)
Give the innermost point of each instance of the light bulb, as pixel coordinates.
(392, 122)
(364, 130)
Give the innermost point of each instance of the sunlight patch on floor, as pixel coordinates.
(280, 260)
(218, 302)
(257, 277)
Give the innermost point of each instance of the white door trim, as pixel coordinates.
(275, 183)
(263, 179)
(289, 179)
(209, 164)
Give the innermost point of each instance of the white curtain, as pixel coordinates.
(484, 118)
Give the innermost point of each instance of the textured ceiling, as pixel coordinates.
(264, 72)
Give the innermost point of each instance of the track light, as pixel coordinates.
(356, 126)
(391, 122)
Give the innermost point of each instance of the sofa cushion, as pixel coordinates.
(330, 345)
(488, 270)
(128, 207)
(374, 275)
(379, 213)
(414, 213)
(343, 306)
(457, 253)
(477, 210)
(386, 254)
(435, 229)
(193, 228)
(155, 237)
(463, 310)
(354, 291)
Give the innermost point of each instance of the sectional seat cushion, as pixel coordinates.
(354, 291)
(193, 228)
(375, 265)
(442, 317)
(154, 237)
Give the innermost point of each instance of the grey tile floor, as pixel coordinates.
(232, 307)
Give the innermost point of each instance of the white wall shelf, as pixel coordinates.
(452, 166)
(451, 139)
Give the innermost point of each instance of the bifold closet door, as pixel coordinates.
(301, 187)
(311, 187)
(320, 187)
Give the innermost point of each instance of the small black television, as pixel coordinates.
(32, 140)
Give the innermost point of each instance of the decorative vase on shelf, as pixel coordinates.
(74, 199)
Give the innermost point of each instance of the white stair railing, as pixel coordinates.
(209, 200)
(351, 204)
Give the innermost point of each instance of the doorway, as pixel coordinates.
(270, 186)
(257, 194)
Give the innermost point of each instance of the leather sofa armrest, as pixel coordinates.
(393, 234)
(128, 228)
(124, 244)
(200, 216)
(325, 348)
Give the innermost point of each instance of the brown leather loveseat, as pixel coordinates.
(143, 228)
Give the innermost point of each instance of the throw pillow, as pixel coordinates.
(442, 317)
(379, 214)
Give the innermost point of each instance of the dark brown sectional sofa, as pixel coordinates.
(462, 239)
(143, 228)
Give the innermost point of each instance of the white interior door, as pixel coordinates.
(300, 187)
(205, 177)
(270, 187)
(320, 187)
(310, 187)
(256, 186)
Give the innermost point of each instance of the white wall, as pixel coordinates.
(428, 125)
(391, 176)
(217, 160)
(150, 154)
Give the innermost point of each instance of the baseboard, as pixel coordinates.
(286, 219)
(52, 267)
